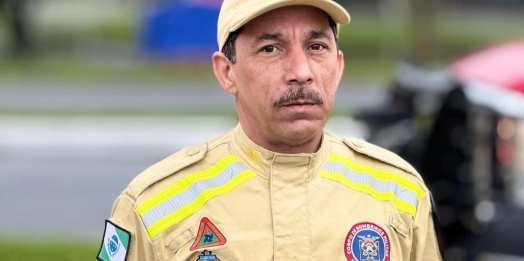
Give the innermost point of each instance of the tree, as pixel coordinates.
(14, 12)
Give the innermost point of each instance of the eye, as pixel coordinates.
(317, 47)
(268, 49)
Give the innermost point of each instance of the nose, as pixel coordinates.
(298, 68)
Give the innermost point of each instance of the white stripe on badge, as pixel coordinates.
(115, 249)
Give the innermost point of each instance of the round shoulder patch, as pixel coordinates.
(367, 241)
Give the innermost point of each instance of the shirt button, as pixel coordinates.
(358, 143)
(193, 151)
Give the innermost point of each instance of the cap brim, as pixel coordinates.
(333, 9)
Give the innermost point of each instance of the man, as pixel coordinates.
(277, 187)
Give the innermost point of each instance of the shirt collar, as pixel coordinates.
(261, 160)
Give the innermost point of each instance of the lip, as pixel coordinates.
(299, 103)
(301, 107)
(292, 105)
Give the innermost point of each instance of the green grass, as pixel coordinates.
(122, 111)
(78, 69)
(54, 250)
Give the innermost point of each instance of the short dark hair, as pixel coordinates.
(229, 47)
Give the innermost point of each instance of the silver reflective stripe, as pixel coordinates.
(179, 200)
(400, 192)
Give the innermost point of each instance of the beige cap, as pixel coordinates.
(236, 13)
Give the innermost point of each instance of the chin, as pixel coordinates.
(301, 132)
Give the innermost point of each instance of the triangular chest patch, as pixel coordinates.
(208, 236)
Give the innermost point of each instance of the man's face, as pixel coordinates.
(286, 73)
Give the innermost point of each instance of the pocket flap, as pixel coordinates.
(399, 226)
(180, 240)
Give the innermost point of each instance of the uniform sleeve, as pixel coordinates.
(125, 216)
(425, 245)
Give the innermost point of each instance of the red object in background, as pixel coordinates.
(505, 154)
(501, 65)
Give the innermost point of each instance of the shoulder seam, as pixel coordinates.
(186, 157)
(360, 149)
(215, 145)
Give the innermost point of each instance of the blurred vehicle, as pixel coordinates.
(463, 129)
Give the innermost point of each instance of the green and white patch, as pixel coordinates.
(115, 243)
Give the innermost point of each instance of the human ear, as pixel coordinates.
(223, 71)
(340, 62)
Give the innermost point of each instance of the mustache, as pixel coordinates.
(298, 93)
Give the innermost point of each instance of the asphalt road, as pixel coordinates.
(60, 175)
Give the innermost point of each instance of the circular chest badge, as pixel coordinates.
(367, 242)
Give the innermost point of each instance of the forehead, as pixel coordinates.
(290, 16)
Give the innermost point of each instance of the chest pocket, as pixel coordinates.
(398, 225)
(183, 239)
(401, 242)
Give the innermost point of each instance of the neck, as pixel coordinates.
(285, 145)
(309, 146)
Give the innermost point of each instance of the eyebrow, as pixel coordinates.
(318, 35)
(278, 36)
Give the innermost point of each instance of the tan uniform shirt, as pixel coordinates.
(230, 199)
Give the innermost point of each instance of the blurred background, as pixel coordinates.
(93, 92)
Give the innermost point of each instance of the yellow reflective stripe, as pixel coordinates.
(198, 203)
(366, 188)
(378, 174)
(185, 183)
